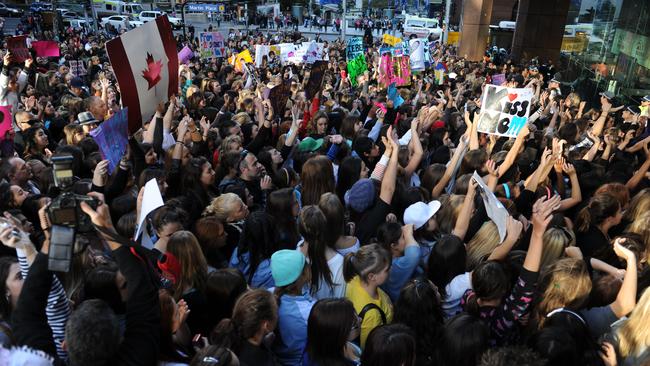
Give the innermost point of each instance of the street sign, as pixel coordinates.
(205, 7)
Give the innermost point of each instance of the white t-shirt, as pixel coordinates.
(455, 291)
(338, 290)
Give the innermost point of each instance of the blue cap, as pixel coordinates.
(361, 195)
(286, 266)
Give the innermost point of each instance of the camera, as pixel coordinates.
(66, 215)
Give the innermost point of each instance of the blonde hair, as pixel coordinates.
(482, 245)
(449, 212)
(641, 226)
(241, 118)
(639, 205)
(225, 143)
(563, 284)
(191, 90)
(634, 334)
(222, 206)
(70, 131)
(555, 241)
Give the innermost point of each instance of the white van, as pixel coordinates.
(115, 7)
(421, 27)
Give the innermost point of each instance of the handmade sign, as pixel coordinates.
(390, 40)
(315, 78)
(287, 50)
(493, 207)
(439, 73)
(279, 96)
(270, 51)
(504, 111)
(18, 48)
(212, 45)
(46, 48)
(185, 55)
(357, 66)
(498, 79)
(5, 123)
(112, 137)
(77, 68)
(394, 69)
(393, 95)
(355, 48)
(416, 48)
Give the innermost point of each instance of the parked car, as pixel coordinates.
(147, 16)
(38, 7)
(120, 21)
(66, 13)
(8, 11)
(75, 23)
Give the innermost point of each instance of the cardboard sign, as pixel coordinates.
(18, 48)
(315, 78)
(504, 111)
(354, 48)
(393, 95)
(185, 55)
(212, 45)
(279, 96)
(262, 50)
(356, 67)
(46, 48)
(390, 40)
(112, 138)
(416, 49)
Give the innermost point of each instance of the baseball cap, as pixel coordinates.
(310, 144)
(419, 213)
(607, 94)
(286, 266)
(76, 82)
(646, 98)
(361, 195)
(634, 109)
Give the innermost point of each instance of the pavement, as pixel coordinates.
(329, 35)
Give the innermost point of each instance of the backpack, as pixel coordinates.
(368, 307)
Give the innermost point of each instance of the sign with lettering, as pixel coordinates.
(504, 111)
(212, 44)
(355, 48)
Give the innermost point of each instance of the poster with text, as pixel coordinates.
(212, 45)
(504, 111)
(354, 48)
(394, 69)
(356, 67)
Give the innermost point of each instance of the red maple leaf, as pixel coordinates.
(152, 73)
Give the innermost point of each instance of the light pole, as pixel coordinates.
(446, 22)
(344, 21)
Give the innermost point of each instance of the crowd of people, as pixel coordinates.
(337, 229)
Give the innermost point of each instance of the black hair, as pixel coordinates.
(101, 284)
(463, 340)
(446, 261)
(328, 328)
(257, 239)
(92, 334)
(490, 281)
(388, 234)
(387, 345)
(222, 289)
(349, 172)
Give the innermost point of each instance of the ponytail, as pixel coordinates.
(583, 221)
(226, 335)
(369, 259)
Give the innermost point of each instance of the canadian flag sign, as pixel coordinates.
(145, 62)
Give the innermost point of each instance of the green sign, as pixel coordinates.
(356, 67)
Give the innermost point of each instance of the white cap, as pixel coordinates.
(419, 213)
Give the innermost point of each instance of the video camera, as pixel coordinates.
(65, 215)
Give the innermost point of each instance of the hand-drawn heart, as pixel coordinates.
(512, 97)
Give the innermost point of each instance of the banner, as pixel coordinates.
(356, 67)
(504, 111)
(112, 137)
(18, 48)
(416, 49)
(262, 50)
(315, 78)
(390, 40)
(354, 48)
(212, 45)
(185, 55)
(145, 62)
(46, 48)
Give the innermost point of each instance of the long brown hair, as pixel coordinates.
(194, 268)
(317, 177)
(600, 208)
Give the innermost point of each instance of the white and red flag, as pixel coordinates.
(145, 62)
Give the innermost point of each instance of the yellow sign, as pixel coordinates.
(391, 40)
(452, 38)
(244, 56)
(574, 44)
